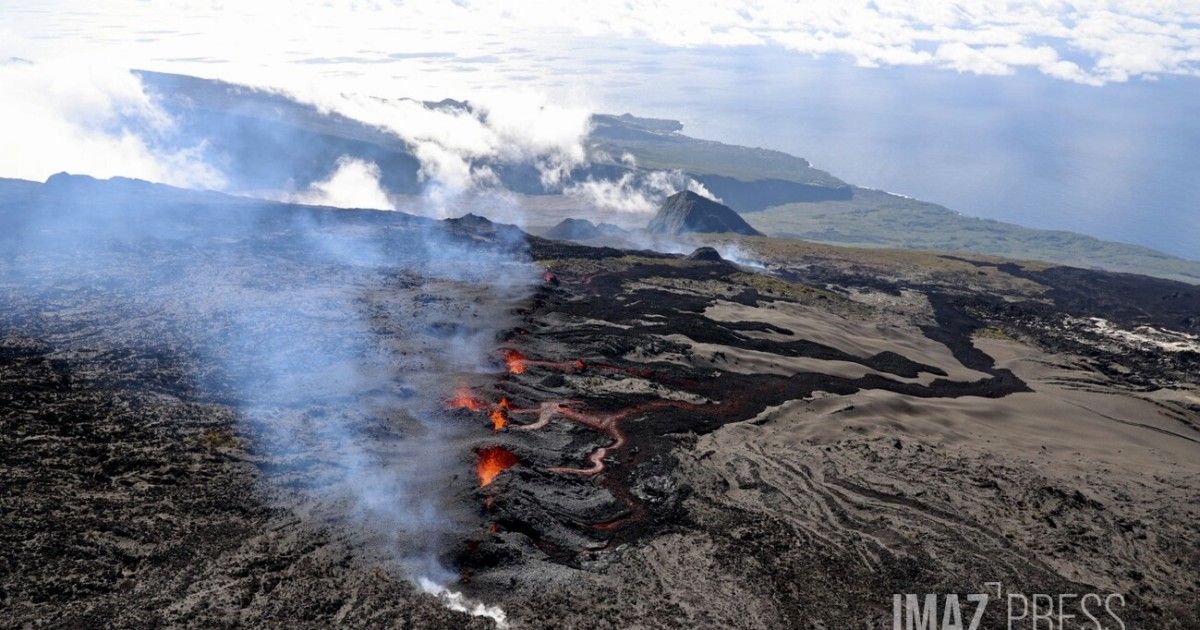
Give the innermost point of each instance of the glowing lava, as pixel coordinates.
(499, 415)
(609, 423)
(493, 460)
(518, 363)
(515, 362)
(464, 400)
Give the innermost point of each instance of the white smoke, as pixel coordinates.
(353, 184)
(460, 603)
(91, 121)
(735, 254)
(635, 191)
(450, 138)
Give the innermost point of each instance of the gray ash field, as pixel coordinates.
(218, 412)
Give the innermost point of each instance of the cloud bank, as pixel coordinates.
(1085, 41)
(1090, 42)
(89, 120)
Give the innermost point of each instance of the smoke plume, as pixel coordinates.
(334, 334)
(354, 184)
(634, 191)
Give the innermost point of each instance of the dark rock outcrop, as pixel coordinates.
(570, 229)
(690, 212)
(706, 254)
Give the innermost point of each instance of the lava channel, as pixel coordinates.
(518, 363)
(605, 423)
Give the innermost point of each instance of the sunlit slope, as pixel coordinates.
(879, 219)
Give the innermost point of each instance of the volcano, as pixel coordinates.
(581, 436)
(571, 229)
(688, 211)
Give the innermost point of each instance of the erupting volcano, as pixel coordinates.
(493, 460)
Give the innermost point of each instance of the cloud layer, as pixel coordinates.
(1092, 42)
(1086, 41)
(88, 120)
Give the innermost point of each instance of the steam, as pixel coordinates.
(332, 334)
(304, 348)
(453, 139)
(353, 184)
(640, 192)
(458, 602)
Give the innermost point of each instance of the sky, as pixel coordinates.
(1051, 114)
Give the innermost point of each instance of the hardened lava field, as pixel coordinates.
(574, 433)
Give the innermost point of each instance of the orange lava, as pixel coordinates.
(499, 415)
(464, 400)
(493, 460)
(609, 423)
(515, 361)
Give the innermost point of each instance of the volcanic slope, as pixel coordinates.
(697, 445)
(648, 440)
(687, 211)
(220, 412)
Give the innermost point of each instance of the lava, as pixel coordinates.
(605, 423)
(518, 363)
(493, 460)
(499, 415)
(464, 400)
(515, 362)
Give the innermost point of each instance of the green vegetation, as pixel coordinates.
(871, 218)
(877, 219)
(993, 332)
(658, 149)
(771, 285)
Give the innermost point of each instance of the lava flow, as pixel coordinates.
(605, 423)
(518, 363)
(464, 400)
(515, 362)
(493, 460)
(499, 415)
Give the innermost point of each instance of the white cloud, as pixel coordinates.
(1115, 41)
(1094, 41)
(88, 121)
(449, 141)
